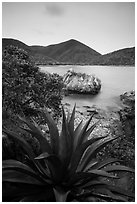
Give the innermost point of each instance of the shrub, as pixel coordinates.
(66, 169)
(25, 88)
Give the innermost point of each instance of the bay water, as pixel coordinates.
(115, 80)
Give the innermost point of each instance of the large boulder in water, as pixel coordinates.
(81, 83)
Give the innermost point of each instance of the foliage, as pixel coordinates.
(25, 88)
(66, 169)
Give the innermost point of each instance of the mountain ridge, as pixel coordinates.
(73, 52)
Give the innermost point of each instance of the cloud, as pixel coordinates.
(54, 9)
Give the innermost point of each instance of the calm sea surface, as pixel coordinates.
(115, 80)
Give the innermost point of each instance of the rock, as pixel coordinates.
(87, 106)
(127, 114)
(81, 83)
(91, 111)
(67, 104)
(128, 98)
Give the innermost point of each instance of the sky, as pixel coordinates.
(103, 26)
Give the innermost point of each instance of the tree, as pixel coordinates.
(25, 88)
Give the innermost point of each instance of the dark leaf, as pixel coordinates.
(65, 150)
(76, 135)
(94, 149)
(118, 168)
(82, 134)
(54, 134)
(101, 164)
(36, 132)
(24, 145)
(19, 177)
(76, 157)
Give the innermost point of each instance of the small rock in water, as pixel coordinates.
(92, 111)
(87, 106)
(67, 104)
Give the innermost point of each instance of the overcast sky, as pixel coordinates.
(104, 27)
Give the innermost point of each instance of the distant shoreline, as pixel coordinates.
(49, 65)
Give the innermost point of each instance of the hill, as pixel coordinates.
(70, 52)
(36, 55)
(73, 52)
(124, 56)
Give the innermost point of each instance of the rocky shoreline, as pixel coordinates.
(113, 123)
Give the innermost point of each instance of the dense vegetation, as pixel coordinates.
(74, 52)
(25, 88)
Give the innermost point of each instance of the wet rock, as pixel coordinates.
(127, 114)
(87, 106)
(128, 98)
(67, 104)
(81, 83)
(91, 112)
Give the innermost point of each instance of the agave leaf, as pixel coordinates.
(76, 157)
(120, 191)
(71, 121)
(44, 167)
(65, 150)
(14, 164)
(92, 183)
(54, 165)
(19, 177)
(20, 167)
(117, 190)
(102, 173)
(94, 149)
(111, 197)
(83, 131)
(42, 156)
(101, 164)
(102, 196)
(41, 168)
(115, 197)
(89, 131)
(36, 132)
(60, 195)
(71, 126)
(76, 135)
(91, 164)
(24, 145)
(101, 189)
(54, 134)
(80, 176)
(21, 190)
(118, 168)
(37, 197)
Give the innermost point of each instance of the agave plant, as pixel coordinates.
(66, 169)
